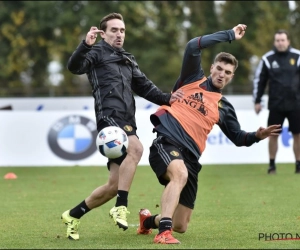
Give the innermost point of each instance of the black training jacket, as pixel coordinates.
(281, 70)
(114, 74)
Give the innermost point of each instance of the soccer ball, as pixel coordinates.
(112, 142)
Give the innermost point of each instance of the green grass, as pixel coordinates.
(234, 204)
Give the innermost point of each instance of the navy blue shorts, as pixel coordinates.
(277, 117)
(162, 152)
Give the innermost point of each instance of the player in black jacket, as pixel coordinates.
(113, 74)
(280, 68)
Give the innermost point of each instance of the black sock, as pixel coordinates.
(298, 164)
(122, 198)
(272, 163)
(165, 224)
(80, 210)
(150, 222)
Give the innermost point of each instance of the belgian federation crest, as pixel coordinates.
(174, 153)
(292, 61)
(128, 128)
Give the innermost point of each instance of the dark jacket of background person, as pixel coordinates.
(282, 71)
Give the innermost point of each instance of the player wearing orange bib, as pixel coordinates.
(182, 131)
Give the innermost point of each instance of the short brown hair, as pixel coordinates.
(227, 58)
(103, 22)
(282, 31)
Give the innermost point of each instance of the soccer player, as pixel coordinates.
(114, 75)
(182, 131)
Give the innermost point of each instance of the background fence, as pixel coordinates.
(31, 134)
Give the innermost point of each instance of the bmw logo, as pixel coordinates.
(73, 137)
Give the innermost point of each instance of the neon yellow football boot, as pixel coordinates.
(119, 215)
(72, 225)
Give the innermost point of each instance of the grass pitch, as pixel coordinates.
(237, 207)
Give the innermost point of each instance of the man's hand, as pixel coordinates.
(91, 36)
(178, 94)
(239, 31)
(263, 133)
(257, 108)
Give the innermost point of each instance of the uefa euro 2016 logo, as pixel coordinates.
(73, 137)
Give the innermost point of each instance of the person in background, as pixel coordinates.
(113, 74)
(182, 130)
(280, 69)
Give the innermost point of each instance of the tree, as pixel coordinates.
(294, 19)
(204, 21)
(262, 18)
(154, 40)
(34, 33)
(28, 39)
